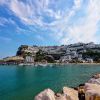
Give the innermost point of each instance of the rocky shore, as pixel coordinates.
(88, 91)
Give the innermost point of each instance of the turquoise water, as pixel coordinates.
(23, 83)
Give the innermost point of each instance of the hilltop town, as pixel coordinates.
(73, 53)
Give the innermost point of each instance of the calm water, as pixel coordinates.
(23, 83)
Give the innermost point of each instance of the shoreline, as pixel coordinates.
(51, 64)
(36, 63)
(46, 64)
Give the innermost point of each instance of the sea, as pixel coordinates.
(24, 82)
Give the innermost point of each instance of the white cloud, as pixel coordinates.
(3, 21)
(78, 3)
(34, 12)
(82, 29)
(2, 2)
(21, 10)
(30, 13)
(34, 16)
(86, 30)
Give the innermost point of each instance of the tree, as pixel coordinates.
(40, 55)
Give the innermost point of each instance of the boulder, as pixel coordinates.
(92, 89)
(96, 76)
(70, 93)
(95, 79)
(47, 94)
(60, 96)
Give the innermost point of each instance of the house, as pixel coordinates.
(89, 60)
(29, 59)
(66, 58)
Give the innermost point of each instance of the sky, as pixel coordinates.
(47, 22)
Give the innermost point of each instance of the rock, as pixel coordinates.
(47, 94)
(60, 96)
(70, 93)
(95, 79)
(96, 76)
(92, 89)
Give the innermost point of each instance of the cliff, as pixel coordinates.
(79, 52)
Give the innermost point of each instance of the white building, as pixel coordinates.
(65, 58)
(89, 60)
(29, 59)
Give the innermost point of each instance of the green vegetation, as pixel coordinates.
(28, 54)
(41, 56)
(92, 54)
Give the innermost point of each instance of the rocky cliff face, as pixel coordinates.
(72, 52)
(25, 50)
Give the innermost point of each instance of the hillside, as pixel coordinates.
(78, 52)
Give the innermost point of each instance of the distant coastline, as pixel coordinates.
(78, 53)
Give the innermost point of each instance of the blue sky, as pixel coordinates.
(47, 22)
